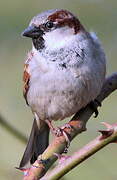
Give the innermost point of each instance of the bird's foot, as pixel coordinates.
(60, 132)
(68, 126)
(56, 131)
(94, 104)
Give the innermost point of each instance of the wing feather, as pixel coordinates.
(26, 76)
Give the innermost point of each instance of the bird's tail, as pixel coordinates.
(37, 143)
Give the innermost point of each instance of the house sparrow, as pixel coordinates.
(63, 72)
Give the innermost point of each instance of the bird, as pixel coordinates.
(64, 71)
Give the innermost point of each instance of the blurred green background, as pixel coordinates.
(97, 15)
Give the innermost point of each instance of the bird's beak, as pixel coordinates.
(32, 32)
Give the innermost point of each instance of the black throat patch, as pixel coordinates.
(38, 43)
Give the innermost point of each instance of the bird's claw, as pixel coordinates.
(94, 104)
(59, 132)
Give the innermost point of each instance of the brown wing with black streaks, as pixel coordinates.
(26, 76)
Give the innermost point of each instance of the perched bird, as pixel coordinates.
(63, 72)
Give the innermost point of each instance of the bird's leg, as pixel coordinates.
(56, 131)
(59, 132)
(94, 104)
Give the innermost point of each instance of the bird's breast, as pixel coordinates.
(58, 92)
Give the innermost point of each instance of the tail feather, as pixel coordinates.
(37, 143)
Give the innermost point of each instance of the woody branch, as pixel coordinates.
(107, 136)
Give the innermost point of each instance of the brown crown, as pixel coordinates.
(63, 18)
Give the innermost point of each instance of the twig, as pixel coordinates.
(12, 130)
(78, 123)
(107, 136)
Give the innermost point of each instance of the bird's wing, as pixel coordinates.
(26, 75)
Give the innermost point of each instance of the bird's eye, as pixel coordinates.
(49, 25)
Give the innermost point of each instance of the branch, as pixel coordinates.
(78, 124)
(12, 130)
(68, 163)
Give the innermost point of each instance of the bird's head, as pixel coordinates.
(53, 29)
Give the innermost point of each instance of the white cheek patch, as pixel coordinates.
(58, 38)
